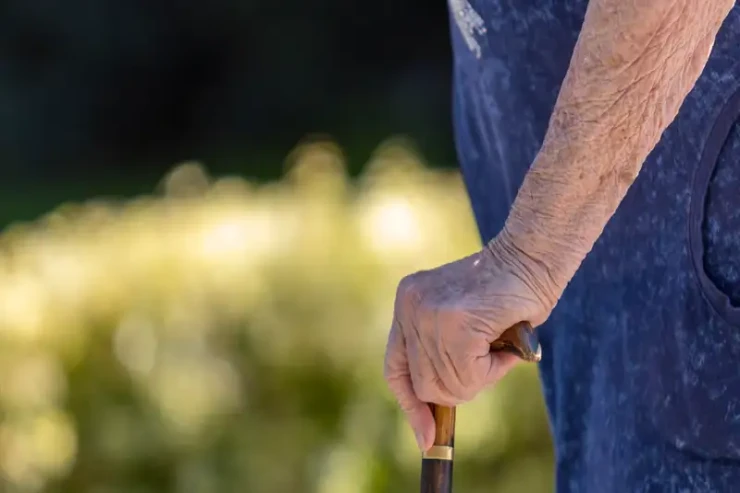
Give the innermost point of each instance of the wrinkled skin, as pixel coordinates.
(445, 321)
(633, 65)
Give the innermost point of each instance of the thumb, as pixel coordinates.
(499, 364)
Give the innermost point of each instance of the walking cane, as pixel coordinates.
(436, 463)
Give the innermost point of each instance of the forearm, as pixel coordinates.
(632, 67)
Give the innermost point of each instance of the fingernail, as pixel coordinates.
(420, 440)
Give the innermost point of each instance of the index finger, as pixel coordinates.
(398, 377)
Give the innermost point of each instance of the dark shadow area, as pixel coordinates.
(105, 97)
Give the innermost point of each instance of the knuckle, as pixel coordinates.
(395, 385)
(387, 374)
(408, 289)
(391, 373)
(402, 292)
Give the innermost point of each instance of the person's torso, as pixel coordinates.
(641, 366)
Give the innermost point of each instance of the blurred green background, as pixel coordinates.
(205, 210)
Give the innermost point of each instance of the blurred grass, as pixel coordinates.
(222, 336)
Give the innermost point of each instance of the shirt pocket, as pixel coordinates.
(693, 392)
(714, 216)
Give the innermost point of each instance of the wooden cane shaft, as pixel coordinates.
(436, 463)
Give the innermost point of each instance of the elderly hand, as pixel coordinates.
(445, 321)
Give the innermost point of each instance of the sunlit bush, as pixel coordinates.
(220, 336)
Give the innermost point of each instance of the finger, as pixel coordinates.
(457, 346)
(426, 379)
(398, 377)
(497, 365)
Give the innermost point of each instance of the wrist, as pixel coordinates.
(560, 210)
(529, 266)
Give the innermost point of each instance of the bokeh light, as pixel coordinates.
(221, 335)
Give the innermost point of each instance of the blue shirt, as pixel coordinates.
(641, 357)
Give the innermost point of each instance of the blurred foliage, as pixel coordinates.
(219, 336)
